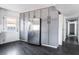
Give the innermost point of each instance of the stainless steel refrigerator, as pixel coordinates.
(34, 34)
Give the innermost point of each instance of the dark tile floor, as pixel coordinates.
(23, 48)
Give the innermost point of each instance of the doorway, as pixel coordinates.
(71, 31)
(72, 28)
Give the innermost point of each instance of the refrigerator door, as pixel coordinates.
(34, 31)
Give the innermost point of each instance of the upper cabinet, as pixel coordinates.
(53, 13)
(34, 13)
(21, 16)
(44, 13)
(31, 14)
(37, 13)
(26, 16)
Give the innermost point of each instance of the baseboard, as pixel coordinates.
(50, 46)
(9, 42)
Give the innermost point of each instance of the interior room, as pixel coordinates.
(39, 29)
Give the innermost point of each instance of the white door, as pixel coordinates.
(11, 29)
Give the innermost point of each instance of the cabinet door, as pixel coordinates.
(21, 27)
(26, 27)
(31, 14)
(2, 34)
(37, 13)
(54, 26)
(44, 31)
(44, 13)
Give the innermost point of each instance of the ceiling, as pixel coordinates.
(24, 7)
(68, 10)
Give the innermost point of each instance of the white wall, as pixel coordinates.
(64, 28)
(61, 20)
(9, 36)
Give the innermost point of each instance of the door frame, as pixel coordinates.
(75, 23)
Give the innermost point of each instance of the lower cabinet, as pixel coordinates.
(44, 33)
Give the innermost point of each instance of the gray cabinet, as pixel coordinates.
(21, 27)
(53, 28)
(37, 13)
(50, 31)
(26, 27)
(44, 13)
(31, 14)
(44, 25)
(44, 33)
